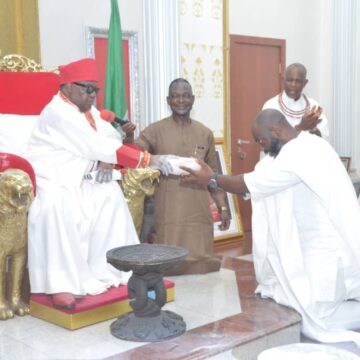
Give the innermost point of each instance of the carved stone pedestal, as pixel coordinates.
(164, 326)
(148, 322)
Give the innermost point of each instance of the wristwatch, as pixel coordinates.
(212, 184)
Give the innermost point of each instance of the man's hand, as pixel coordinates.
(310, 119)
(201, 176)
(162, 163)
(104, 172)
(225, 219)
(129, 129)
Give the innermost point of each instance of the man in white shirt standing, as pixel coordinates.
(300, 111)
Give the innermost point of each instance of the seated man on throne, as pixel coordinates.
(79, 212)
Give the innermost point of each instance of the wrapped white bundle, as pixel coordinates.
(177, 161)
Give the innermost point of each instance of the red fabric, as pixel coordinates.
(81, 70)
(100, 49)
(128, 156)
(26, 93)
(89, 302)
(11, 161)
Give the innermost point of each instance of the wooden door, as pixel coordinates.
(256, 66)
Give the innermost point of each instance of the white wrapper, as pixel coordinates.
(177, 161)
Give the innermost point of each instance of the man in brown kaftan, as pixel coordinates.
(182, 213)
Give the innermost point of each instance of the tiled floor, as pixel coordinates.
(224, 319)
(30, 338)
(220, 311)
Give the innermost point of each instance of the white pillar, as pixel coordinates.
(355, 161)
(161, 55)
(343, 132)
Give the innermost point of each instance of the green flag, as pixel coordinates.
(115, 97)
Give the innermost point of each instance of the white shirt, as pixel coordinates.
(297, 106)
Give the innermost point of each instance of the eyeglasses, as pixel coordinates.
(89, 89)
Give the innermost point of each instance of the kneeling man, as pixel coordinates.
(306, 227)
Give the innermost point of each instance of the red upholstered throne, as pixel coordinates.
(24, 93)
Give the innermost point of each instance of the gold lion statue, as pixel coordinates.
(136, 184)
(16, 195)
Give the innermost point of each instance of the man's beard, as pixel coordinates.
(274, 148)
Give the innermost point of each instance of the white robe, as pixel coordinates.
(306, 236)
(73, 222)
(298, 105)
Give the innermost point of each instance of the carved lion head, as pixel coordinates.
(16, 191)
(140, 181)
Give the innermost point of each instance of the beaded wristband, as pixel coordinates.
(146, 159)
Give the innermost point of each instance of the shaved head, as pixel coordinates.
(269, 117)
(271, 130)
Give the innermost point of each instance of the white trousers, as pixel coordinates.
(70, 231)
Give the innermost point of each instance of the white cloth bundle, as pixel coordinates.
(177, 161)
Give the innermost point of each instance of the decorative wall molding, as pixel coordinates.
(202, 59)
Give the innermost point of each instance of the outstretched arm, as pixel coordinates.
(233, 184)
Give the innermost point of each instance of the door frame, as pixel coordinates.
(235, 40)
(248, 40)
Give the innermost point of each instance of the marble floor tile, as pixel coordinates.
(228, 355)
(220, 310)
(64, 343)
(214, 294)
(16, 350)
(192, 318)
(20, 326)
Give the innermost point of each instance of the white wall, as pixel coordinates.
(63, 22)
(306, 27)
